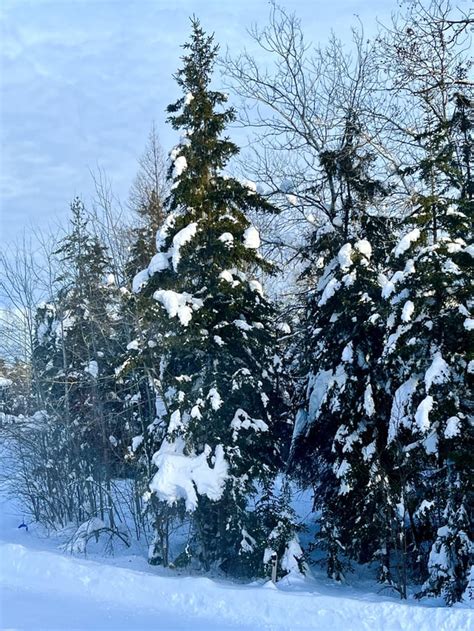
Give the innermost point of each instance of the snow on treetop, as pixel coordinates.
(252, 238)
(350, 278)
(161, 259)
(450, 267)
(227, 276)
(195, 411)
(388, 286)
(342, 469)
(292, 558)
(348, 353)
(401, 401)
(162, 233)
(430, 443)
(423, 508)
(407, 311)
(469, 324)
(469, 250)
(369, 404)
(243, 325)
(319, 385)
(284, 327)
(453, 427)
(140, 280)
(247, 543)
(158, 263)
(369, 451)
(255, 285)
(175, 421)
(181, 476)
(92, 368)
(406, 241)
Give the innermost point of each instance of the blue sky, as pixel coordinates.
(83, 80)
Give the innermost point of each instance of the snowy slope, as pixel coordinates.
(41, 588)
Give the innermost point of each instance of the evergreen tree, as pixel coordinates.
(76, 345)
(208, 335)
(428, 356)
(339, 432)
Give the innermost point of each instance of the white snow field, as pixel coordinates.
(43, 588)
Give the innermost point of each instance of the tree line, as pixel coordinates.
(161, 386)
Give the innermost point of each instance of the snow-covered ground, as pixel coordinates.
(43, 588)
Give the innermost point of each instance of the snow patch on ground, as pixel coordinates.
(43, 589)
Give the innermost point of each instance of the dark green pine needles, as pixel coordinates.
(208, 333)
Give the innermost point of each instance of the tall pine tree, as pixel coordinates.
(428, 355)
(75, 349)
(339, 429)
(208, 333)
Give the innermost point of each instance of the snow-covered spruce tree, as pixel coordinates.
(76, 344)
(208, 334)
(428, 356)
(339, 431)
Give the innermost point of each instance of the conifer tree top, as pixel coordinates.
(196, 113)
